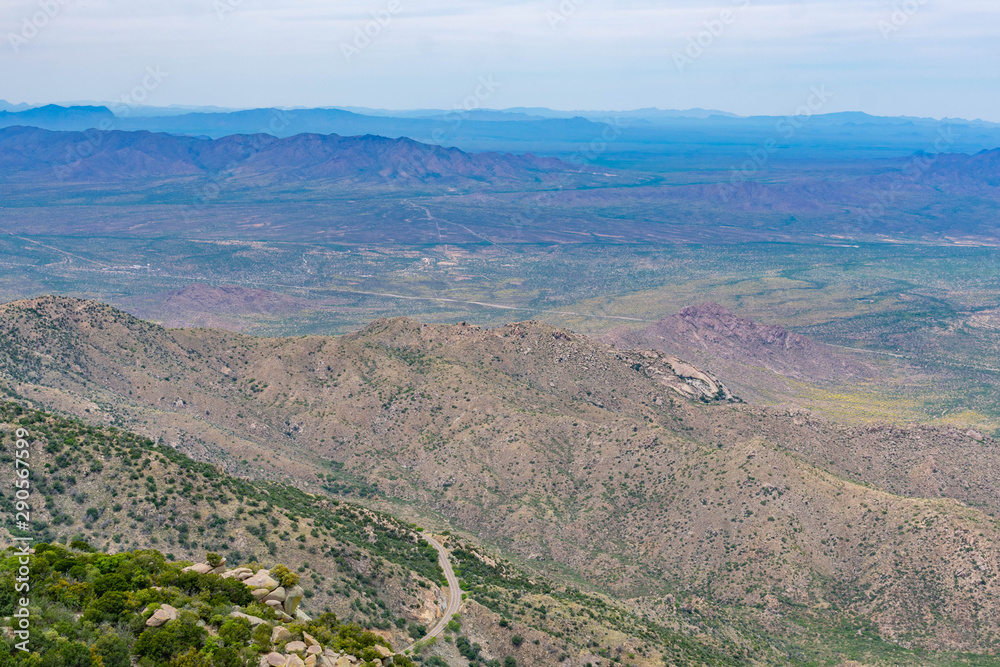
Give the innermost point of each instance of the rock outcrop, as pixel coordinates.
(266, 587)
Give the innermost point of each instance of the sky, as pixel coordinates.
(935, 58)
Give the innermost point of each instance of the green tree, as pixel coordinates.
(113, 651)
(235, 631)
(110, 607)
(70, 654)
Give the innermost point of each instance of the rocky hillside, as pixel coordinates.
(137, 608)
(763, 362)
(621, 469)
(122, 494)
(118, 491)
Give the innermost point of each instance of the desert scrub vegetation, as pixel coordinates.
(90, 609)
(123, 492)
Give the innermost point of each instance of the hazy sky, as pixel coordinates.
(894, 57)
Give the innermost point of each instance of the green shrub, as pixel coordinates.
(416, 631)
(110, 582)
(262, 637)
(113, 651)
(70, 654)
(235, 632)
(283, 575)
(109, 608)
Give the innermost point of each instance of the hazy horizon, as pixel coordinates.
(212, 108)
(913, 58)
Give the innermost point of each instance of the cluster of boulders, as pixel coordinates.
(265, 588)
(285, 601)
(309, 653)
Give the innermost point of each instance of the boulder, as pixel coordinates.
(382, 651)
(283, 616)
(260, 593)
(295, 661)
(302, 616)
(314, 650)
(310, 661)
(236, 572)
(296, 647)
(275, 659)
(342, 661)
(273, 604)
(200, 568)
(293, 596)
(309, 639)
(254, 620)
(280, 634)
(162, 615)
(277, 594)
(261, 580)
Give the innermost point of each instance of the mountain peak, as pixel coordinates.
(255, 160)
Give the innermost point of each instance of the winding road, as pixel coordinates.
(455, 592)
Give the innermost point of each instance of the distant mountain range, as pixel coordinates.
(647, 139)
(29, 154)
(7, 106)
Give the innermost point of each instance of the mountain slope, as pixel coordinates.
(219, 307)
(763, 362)
(27, 154)
(580, 459)
(118, 492)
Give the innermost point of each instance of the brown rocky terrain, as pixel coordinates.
(621, 468)
(756, 359)
(119, 492)
(218, 307)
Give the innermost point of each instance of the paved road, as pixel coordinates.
(455, 592)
